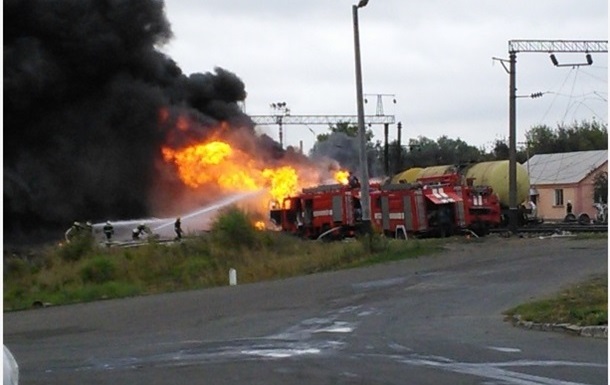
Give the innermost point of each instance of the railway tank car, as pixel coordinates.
(493, 174)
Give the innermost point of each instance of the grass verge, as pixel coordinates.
(82, 272)
(584, 304)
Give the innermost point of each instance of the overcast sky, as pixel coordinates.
(435, 56)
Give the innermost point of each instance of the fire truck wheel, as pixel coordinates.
(570, 218)
(481, 229)
(584, 219)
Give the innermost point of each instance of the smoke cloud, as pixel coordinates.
(345, 150)
(84, 87)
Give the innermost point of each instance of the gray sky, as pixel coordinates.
(434, 56)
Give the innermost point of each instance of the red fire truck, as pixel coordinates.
(438, 206)
(318, 210)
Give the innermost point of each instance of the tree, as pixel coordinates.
(600, 187)
(456, 151)
(425, 152)
(584, 136)
(500, 150)
(347, 129)
(541, 139)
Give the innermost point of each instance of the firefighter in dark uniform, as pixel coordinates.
(444, 221)
(178, 229)
(138, 231)
(108, 231)
(352, 180)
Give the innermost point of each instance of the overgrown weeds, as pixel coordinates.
(82, 271)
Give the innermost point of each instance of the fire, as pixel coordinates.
(260, 225)
(233, 170)
(342, 176)
(212, 162)
(284, 181)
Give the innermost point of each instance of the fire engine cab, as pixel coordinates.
(319, 209)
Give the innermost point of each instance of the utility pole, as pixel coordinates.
(535, 46)
(386, 160)
(365, 198)
(512, 148)
(398, 148)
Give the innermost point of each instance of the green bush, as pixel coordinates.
(374, 242)
(234, 228)
(98, 270)
(16, 267)
(77, 248)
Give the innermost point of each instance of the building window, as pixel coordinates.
(559, 197)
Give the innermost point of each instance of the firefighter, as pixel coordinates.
(73, 231)
(357, 210)
(108, 231)
(534, 209)
(444, 221)
(352, 180)
(78, 229)
(138, 231)
(178, 229)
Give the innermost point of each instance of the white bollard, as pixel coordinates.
(232, 277)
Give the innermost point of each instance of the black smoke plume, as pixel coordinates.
(84, 82)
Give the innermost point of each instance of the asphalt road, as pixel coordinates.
(433, 320)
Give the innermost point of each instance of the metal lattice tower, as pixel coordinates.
(379, 110)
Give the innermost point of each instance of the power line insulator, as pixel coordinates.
(554, 60)
(589, 59)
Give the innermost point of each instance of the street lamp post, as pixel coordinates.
(365, 198)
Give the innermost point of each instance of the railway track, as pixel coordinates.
(557, 228)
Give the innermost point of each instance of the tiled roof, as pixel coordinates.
(564, 168)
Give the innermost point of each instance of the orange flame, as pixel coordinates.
(233, 170)
(211, 162)
(260, 225)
